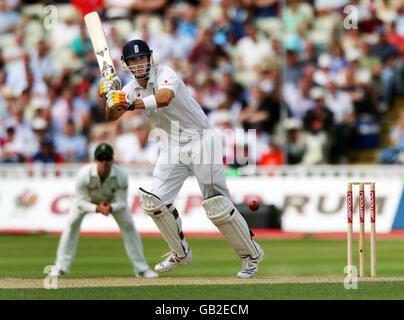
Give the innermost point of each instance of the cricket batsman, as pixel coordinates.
(101, 187)
(167, 103)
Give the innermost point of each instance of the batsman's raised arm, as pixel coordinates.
(159, 100)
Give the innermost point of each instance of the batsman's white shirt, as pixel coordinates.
(183, 108)
(180, 120)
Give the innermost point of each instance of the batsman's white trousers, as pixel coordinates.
(70, 238)
(205, 163)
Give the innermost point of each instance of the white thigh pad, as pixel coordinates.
(231, 224)
(163, 219)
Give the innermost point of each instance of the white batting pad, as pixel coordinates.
(163, 219)
(231, 224)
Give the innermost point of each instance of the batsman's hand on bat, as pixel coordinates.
(119, 100)
(108, 84)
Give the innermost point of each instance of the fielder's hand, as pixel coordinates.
(119, 100)
(108, 84)
(103, 208)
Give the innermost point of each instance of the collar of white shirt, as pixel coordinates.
(152, 78)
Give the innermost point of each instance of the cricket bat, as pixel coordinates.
(100, 44)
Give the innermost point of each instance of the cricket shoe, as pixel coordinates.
(56, 272)
(172, 261)
(148, 274)
(249, 265)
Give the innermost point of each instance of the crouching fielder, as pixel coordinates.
(168, 104)
(101, 187)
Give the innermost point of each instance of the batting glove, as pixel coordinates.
(108, 84)
(119, 100)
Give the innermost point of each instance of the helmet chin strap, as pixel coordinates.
(147, 71)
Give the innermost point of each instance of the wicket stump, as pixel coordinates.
(362, 243)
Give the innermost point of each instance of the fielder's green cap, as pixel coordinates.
(103, 149)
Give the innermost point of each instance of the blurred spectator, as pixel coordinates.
(309, 55)
(397, 41)
(65, 31)
(132, 145)
(118, 9)
(208, 11)
(319, 129)
(40, 108)
(400, 19)
(81, 44)
(224, 121)
(367, 17)
(387, 55)
(176, 45)
(206, 54)
(188, 25)
(9, 17)
(228, 25)
(350, 41)
(395, 153)
(385, 10)
(365, 101)
(5, 95)
(40, 127)
(123, 9)
(232, 106)
(71, 145)
(250, 51)
(69, 106)
(337, 60)
(42, 68)
(323, 74)
(156, 41)
(98, 113)
(274, 155)
(47, 153)
(297, 98)
(22, 126)
(262, 111)
(327, 6)
(340, 104)
(295, 17)
(212, 95)
(369, 61)
(363, 8)
(294, 67)
(295, 143)
(12, 149)
(266, 8)
(16, 60)
(82, 105)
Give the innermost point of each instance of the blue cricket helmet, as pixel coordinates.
(135, 48)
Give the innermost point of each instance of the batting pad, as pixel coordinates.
(163, 219)
(231, 224)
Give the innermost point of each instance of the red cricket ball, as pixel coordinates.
(254, 205)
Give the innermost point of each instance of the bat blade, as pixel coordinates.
(100, 44)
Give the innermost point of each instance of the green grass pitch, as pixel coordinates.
(25, 256)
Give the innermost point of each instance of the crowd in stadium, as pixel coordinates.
(313, 80)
